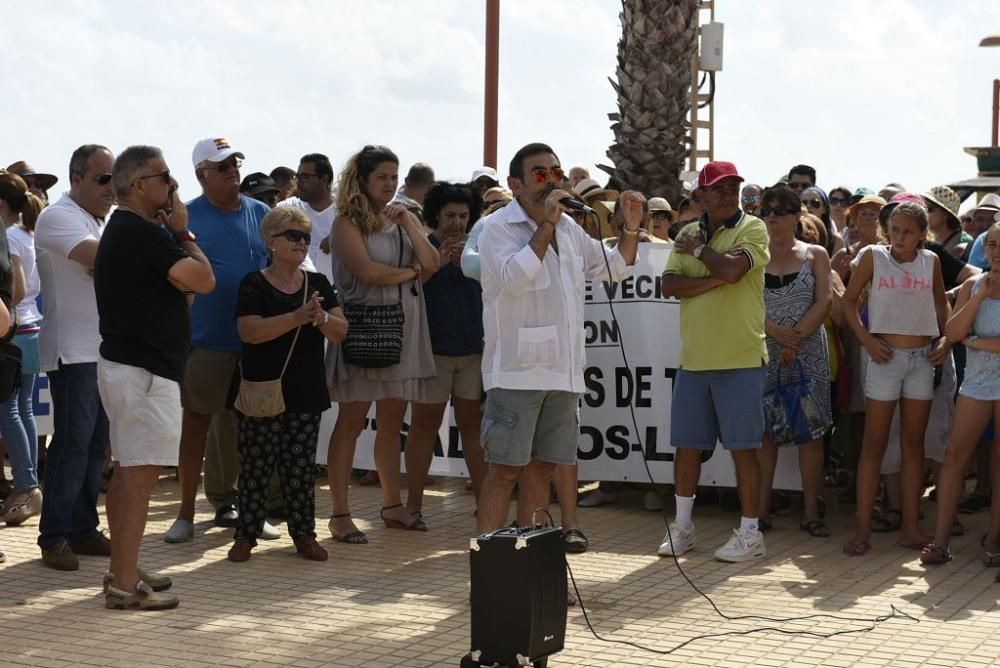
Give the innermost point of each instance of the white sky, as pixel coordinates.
(867, 92)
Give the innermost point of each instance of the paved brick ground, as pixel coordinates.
(402, 599)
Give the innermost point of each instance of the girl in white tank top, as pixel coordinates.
(907, 309)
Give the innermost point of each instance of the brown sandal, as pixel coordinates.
(356, 537)
(933, 555)
(416, 520)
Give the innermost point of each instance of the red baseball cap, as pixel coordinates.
(714, 172)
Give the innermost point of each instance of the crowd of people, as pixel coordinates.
(861, 328)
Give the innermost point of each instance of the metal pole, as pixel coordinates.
(996, 113)
(492, 75)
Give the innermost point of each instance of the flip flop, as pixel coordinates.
(856, 548)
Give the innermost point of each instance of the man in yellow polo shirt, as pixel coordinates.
(717, 272)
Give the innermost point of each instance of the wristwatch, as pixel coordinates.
(697, 251)
(184, 235)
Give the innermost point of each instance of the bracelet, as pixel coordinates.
(630, 233)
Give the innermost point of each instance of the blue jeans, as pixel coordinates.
(17, 424)
(75, 456)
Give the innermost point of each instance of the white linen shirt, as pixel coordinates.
(533, 309)
(70, 327)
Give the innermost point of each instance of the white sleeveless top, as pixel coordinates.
(902, 294)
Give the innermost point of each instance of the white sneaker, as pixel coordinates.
(742, 546)
(678, 540)
(270, 532)
(181, 531)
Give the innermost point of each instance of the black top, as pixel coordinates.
(304, 382)
(144, 319)
(775, 282)
(951, 266)
(454, 306)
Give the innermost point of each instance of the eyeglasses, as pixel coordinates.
(839, 201)
(798, 185)
(813, 203)
(304, 175)
(223, 167)
(660, 215)
(777, 211)
(294, 236)
(103, 179)
(750, 198)
(164, 175)
(542, 174)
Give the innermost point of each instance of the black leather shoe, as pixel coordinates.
(96, 544)
(226, 516)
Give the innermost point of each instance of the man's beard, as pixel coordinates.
(539, 197)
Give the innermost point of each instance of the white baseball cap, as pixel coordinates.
(485, 171)
(215, 149)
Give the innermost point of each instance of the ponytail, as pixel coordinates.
(14, 191)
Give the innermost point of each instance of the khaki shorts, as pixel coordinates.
(208, 375)
(144, 414)
(461, 377)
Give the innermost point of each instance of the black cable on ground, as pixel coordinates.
(870, 622)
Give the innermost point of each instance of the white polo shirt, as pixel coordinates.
(69, 331)
(533, 309)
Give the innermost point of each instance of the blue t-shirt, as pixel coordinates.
(231, 241)
(977, 256)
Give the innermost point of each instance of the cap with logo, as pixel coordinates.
(213, 150)
(257, 184)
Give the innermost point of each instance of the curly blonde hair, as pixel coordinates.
(352, 201)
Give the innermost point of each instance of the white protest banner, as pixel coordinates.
(647, 328)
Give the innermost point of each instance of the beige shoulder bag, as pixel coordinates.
(264, 398)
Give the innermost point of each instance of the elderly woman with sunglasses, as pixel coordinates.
(284, 316)
(797, 297)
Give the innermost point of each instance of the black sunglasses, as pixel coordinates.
(778, 211)
(223, 167)
(163, 175)
(103, 179)
(814, 203)
(294, 236)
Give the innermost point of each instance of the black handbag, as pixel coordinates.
(10, 365)
(375, 332)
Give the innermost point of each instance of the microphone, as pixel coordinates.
(576, 205)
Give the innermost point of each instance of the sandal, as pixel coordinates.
(815, 528)
(890, 521)
(356, 537)
(416, 524)
(855, 548)
(575, 541)
(991, 559)
(932, 555)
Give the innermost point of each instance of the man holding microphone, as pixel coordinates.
(535, 261)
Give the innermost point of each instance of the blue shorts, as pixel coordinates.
(521, 425)
(718, 406)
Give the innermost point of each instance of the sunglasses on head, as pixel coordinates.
(103, 179)
(813, 203)
(840, 201)
(223, 167)
(162, 175)
(777, 211)
(294, 236)
(542, 174)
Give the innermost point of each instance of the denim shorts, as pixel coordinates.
(908, 374)
(723, 406)
(521, 425)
